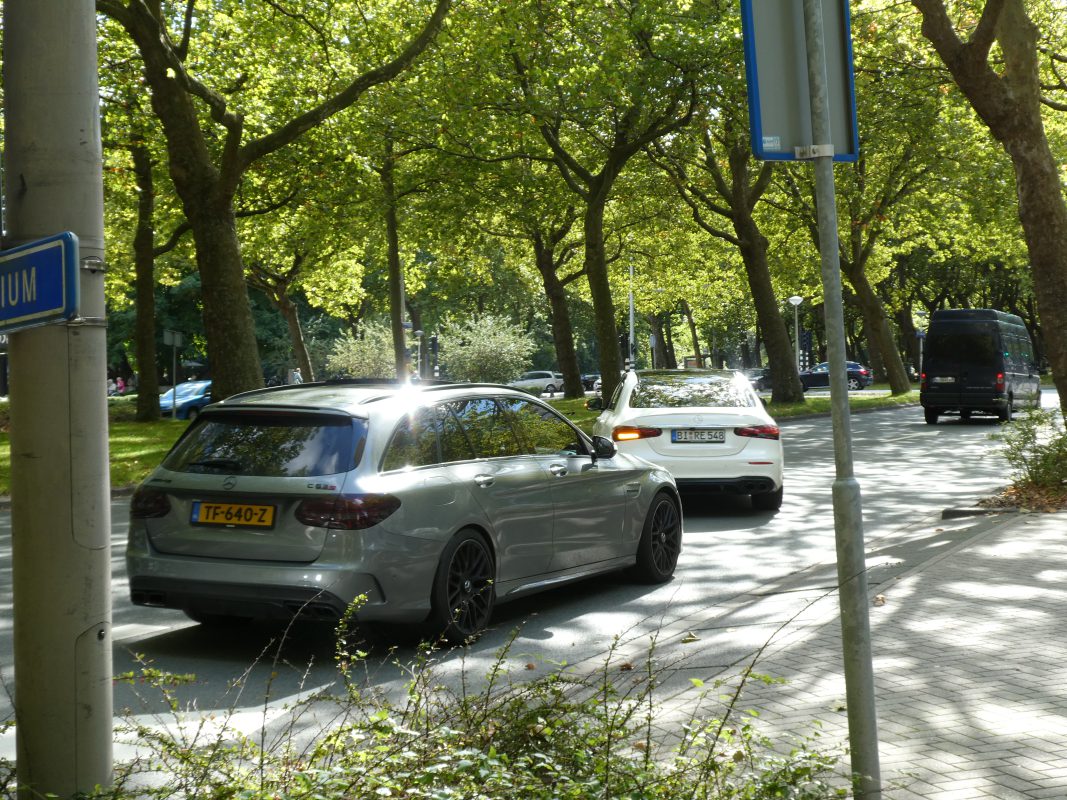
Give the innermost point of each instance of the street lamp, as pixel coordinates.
(795, 301)
(630, 349)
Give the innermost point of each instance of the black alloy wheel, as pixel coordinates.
(661, 540)
(464, 593)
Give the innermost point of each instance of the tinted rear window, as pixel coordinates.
(963, 343)
(680, 391)
(269, 445)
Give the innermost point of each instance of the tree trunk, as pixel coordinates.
(596, 270)
(693, 332)
(785, 381)
(287, 308)
(879, 335)
(228, 327)
(145, 289)
(560, 316)
(396, 270)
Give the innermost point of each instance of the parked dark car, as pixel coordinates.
(590, 380)
(760, 378)
(859, 376)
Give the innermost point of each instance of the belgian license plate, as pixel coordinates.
(699, 435)
(244, 515)
(944, 379)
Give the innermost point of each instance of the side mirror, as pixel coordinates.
(595, 403)
(603, 448)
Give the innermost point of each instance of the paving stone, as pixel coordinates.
(970, 658)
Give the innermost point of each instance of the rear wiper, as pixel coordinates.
(222, 464)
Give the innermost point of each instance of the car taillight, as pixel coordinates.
(998, 386)
(922, 381)
(759, 432)
(352, 512)
(148, 503)
(629, 433)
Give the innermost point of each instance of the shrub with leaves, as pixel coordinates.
(564, 735)
(1035, 445)
(369, 356)
(485, 349)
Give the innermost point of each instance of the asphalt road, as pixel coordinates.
(742, 576)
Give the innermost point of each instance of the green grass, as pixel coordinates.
(821, 405)
(136, 448)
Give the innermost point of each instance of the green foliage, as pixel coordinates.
(563, 735)
(1035, 445)
(485, 349)
(369, 356)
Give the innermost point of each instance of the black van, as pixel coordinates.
(978, 361)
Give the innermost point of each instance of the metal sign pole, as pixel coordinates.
(848, 512)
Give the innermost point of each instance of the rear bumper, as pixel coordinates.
(278, 590)
(956, 402)
(753, 484)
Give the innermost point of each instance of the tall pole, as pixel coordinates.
(631, 348)
(848, 513)
(60, 496)
(795, 301)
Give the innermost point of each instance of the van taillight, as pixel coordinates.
(629, 433)
(148, 503)
(922, 382)
(353, 512)
(759, 432)
(999, 385)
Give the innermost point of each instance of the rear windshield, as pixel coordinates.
(679, 391)
(269, 445)
(963, 343)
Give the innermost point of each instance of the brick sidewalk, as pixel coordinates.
(970, 668)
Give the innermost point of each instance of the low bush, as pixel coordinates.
(561, 735)
(1035, 446)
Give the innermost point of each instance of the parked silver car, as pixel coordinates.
(428, 503)
(539, 381)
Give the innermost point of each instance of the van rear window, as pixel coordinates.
(963, 343)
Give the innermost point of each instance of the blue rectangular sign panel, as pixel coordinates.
(39, 283)
(776, 66)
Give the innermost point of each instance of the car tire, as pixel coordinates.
(464, 592)
(854, 384)
(661, 541)
(1008, 414)
(193, 414)
(550, 389)
(768, 501)
(931, 415)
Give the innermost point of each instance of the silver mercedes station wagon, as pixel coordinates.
(417, 503)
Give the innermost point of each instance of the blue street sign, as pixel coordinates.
(39, 283)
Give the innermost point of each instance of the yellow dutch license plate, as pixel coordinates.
(243, 515)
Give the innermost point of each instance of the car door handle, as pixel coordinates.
(484, 480)
(558, 470)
